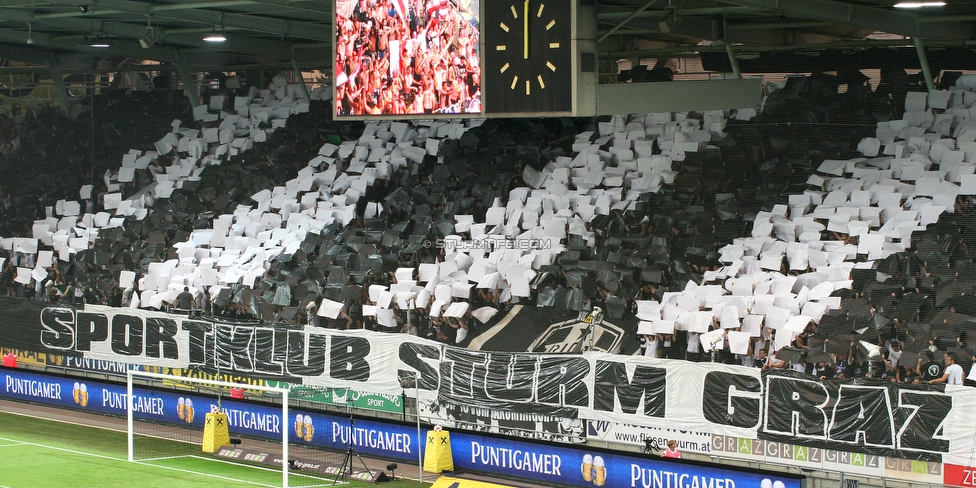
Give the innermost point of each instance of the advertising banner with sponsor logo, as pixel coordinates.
(330, 396)
(244, 418)
(555, 465)
(548, 396)
(344, 397)
(75, 363)
(654, 437)
(916, 471)
(544, 463)
(766, 451)
(796, 455)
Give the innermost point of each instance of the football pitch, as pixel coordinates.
(40, 453)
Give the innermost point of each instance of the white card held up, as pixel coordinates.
(384, 299)
(713, 340)
(645, 328)
(329, 308)
(730, 317)
(385, 317)
(404, 274)
(437, 308)
(484, 314)
(457, 309)
(375, 291)
(23, 276)
(427, 272)
(738, 341)
(461, 290)
(520, 286)
(797, 323)
(648, 310)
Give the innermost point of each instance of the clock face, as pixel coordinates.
(528, 56)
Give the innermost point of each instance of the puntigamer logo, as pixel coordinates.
(594, 470)
(80, 394)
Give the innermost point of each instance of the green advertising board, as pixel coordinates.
(344, 397)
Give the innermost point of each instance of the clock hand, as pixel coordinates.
(525, 30)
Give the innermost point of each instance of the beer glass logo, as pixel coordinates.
(304, 428)
(80, 394)
(768, 483)
(184, 408)
(594, 470)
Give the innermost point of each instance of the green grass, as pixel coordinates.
(38, 453)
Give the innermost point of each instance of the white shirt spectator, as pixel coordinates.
(955, 373)
(650, 346)
(894, 356)
(772, 362)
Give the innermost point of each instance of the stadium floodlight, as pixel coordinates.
(150, 39)
(919, 4)
(97, 42)
(216, 36)
(670, 20)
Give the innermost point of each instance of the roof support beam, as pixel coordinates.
(734, 63)
(923, 60)
(301, 80)
(693, 27)
(624, 22)
(193, 12)
(653, 14)
(883, 20)
(189, 85)
(240, 45)
(58, 79)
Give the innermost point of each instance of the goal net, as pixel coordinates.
(207, 427)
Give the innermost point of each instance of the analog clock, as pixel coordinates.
(528, 56)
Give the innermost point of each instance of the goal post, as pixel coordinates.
(166, 418)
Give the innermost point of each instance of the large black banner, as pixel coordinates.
(550, 395)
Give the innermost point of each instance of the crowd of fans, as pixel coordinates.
(647, 252)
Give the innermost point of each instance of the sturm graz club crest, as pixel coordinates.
(587, 332)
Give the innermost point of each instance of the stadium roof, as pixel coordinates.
(271, 33)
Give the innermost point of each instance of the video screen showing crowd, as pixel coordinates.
(407, 57)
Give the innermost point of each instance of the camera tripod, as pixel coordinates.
(347, 461)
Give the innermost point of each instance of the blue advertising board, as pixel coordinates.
(553, 464)
(544, 463)
(244, 418)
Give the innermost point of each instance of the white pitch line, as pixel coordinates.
(42, 417)
(72, 451)
(206, 474)
(100, 456)
(480, 341)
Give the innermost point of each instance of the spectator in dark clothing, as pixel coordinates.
(184, 300)
(668, 346)
(761, 359)
(928, 368)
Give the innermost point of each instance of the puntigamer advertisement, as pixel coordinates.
(545, 463)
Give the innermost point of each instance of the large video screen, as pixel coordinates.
(407, 57)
